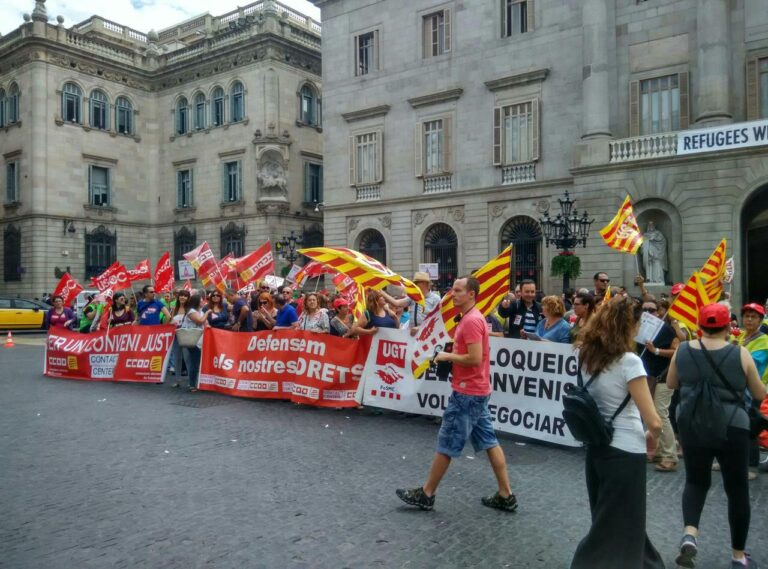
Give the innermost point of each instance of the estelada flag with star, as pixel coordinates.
(439, 326)
(623, 233)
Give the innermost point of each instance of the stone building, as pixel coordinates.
(122, 145)
(452, 126)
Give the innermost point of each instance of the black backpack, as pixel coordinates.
(583, 417)
(701, 416)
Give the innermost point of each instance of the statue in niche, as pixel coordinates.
(271, 177)
(654, 251)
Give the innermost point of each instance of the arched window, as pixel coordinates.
(233, 240)
(199, 111)
(309, 106)
(71, 103)
(373, 244)
(12, 253)
(100, 251)
(124, 115)
(236, 102)
(441, 247)
(217, 107)
(99, 104)
(182, 119)
(13, 104)
(3, 107)
(524, 234)
(183, 242)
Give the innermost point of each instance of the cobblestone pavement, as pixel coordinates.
(103, 475)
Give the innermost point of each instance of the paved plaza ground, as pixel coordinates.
(106, 475)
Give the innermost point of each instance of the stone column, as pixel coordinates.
(38, 253)
(271, 100)
(595, 97)
(712, 21)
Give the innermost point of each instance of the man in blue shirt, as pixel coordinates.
(286, 314)
(150, 308)
(241, 311)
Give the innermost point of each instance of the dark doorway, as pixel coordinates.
(754, 224)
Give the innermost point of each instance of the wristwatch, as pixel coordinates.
(657, 351)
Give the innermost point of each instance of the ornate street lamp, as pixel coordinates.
(286, 247)
(566, 231)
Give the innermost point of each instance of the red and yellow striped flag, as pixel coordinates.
(686, 306)
(439, 325)
(622, 233)
(713, 272)
(366, 271)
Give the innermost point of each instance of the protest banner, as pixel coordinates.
(309, 368)
(125, 353)
(527, 378)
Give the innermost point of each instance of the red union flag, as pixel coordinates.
(391, 353)
(68, 288)
(140, 272)
(204, 262)
(256, 265)
(164, 280)
(115, 277)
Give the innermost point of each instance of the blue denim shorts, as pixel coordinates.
(466, 417)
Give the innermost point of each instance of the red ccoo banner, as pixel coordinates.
(127, 353)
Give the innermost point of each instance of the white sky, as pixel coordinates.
(142, 15)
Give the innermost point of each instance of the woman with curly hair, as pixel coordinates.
(616, 473)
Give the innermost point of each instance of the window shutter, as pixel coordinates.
(109, 187)
(379, 156)
(447, 29)
(356, 48)
(376, 49)
(448, 144)
(634, 108)
(535, 129)
(497, 136)
(191, 188)
(319, 118)
(307, 183)
(352, 160)
(503, 19)
(239, 180)
(753, 90)
(417, 150)
(224, 183)
(684, 111)
(426, 29)
(90, 184)
(529, 16)
(320, 184)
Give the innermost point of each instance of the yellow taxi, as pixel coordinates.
(22, 314)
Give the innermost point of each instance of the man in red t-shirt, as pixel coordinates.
(466, 415)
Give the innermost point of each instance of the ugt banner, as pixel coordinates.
(305, 367)
(125, 353)
(527, 379)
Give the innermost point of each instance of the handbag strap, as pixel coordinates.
(580, 380)
(719, 374)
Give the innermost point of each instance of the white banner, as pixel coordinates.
(729, 137)
(186, 270)
(527, 379)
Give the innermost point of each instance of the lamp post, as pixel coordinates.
(286, 247)
(566, 231)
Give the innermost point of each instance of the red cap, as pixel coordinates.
(677, 288)
(340, 302)
(714, 316)
(753, 306)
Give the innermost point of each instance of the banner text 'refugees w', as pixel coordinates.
(316, 369)
(126, 353)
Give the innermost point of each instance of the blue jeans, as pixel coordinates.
(192, 360)
(466, 417)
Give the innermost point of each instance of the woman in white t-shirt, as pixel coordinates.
(615, 474)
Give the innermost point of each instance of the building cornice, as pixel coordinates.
(434, 98)
(518, 79)
(369, 113)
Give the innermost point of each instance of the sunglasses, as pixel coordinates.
(263, 302)
(604, 280)
(651, 310)
(215, 296)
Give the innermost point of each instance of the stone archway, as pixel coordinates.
(754, 229)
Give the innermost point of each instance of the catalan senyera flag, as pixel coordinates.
(366, 271)
(623, 233)
(607, 295)
(686, 306)
(439, 325)
(713, 272)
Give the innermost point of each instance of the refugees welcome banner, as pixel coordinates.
(305, 367)
(527, 378)
(126, 353)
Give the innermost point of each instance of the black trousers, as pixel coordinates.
(733, 457)
(617, 538)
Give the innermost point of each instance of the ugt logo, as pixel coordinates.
(391, 353)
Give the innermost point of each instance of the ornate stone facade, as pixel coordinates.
(233, 176)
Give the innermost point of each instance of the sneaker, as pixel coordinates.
(688, 551)
(508, 504)
(750, 563)
(416, 497)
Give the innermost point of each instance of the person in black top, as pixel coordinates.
(523, 314)
(656, 354)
